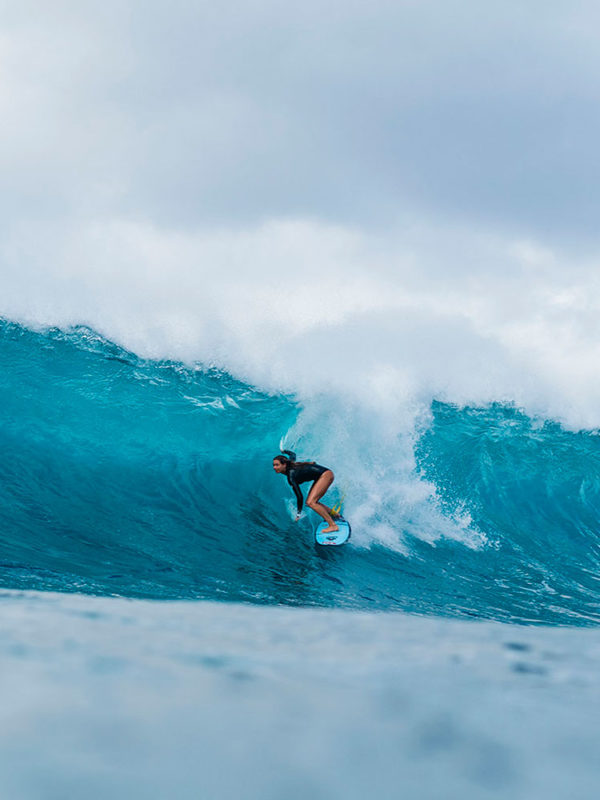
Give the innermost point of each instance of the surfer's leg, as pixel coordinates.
(316, 492)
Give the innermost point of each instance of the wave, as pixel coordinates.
(144, 478)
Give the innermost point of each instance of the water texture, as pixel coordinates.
(107, 697)
(144, 478)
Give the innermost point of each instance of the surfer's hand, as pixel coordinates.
(297, 517)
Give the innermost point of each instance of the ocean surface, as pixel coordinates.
(449, 650)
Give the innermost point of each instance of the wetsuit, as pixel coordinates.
(297, 475)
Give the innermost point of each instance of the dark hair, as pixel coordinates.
(291, 462)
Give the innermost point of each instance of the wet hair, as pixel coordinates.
(291, 463)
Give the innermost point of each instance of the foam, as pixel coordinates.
(289, 304)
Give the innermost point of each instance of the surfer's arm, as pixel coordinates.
(297, 492)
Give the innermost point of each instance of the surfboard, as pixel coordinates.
(340, 536)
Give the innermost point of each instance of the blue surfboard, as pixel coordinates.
(340, 536)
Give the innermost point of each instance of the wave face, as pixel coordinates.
(127, 476)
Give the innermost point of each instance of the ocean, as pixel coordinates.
(169, 631)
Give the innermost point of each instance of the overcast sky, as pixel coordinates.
(188, 114)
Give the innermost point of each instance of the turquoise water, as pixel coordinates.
(143, 478)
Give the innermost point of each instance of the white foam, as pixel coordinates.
(292, 305)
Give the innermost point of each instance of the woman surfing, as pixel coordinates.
(298, 472)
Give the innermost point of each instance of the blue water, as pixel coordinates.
(141, 478)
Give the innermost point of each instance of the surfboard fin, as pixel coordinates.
(337, 508)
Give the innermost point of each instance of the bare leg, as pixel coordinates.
(317, 491)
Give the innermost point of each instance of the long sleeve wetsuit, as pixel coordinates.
(297, 475)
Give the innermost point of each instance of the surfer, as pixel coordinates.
(298, 472)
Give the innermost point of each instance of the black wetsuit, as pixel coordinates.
(297, 475)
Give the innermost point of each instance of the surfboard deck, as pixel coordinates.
(338, 537)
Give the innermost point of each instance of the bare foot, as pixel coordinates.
(330, 529)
